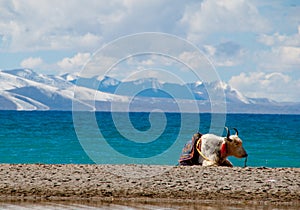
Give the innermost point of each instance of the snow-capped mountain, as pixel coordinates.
(151, 87)
(30, 75)
(24, 89)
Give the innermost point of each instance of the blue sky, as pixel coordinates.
(254, 45)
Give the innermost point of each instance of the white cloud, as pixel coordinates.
(101, 65)
(281, 58)
(289, 55)
(209, 16)
(282, 52)
(194, 60)
(147, 63)
(271, 40)
(276, 86)
(75, 63)
(278, 39)
(225, 53)
(199, 63)
(81, 26)
(88, 65)
(74, 42)
(256, 34)
(55, 25)
(32, 63)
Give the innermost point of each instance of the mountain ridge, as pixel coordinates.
(24, 89)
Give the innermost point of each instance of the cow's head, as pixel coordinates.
(235, 145)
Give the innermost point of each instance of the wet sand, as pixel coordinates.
(149, 184)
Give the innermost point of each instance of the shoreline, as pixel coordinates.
(149, 184)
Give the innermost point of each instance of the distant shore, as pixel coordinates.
(39, 182)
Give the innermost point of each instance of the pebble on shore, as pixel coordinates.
(194, 183)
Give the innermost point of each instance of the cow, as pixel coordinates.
(212, 150)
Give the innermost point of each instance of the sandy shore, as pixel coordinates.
(36, 182)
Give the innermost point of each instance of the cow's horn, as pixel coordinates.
(236, 131)
(228, 132)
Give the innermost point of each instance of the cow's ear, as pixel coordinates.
(197, 135)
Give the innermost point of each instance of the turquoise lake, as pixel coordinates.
(50, 137)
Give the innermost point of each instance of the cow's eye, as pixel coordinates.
(228, 139)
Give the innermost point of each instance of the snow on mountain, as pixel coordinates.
(153, 88)
(232, 95)
(108, 81)
(55, 81)
(24, 89)
(152, 83)
(9, 101)
(70, 76)
(11, 82)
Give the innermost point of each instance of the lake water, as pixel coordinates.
(50, 137)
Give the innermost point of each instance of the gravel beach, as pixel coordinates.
(39, 182)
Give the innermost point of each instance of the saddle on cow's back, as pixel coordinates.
(189, 154)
